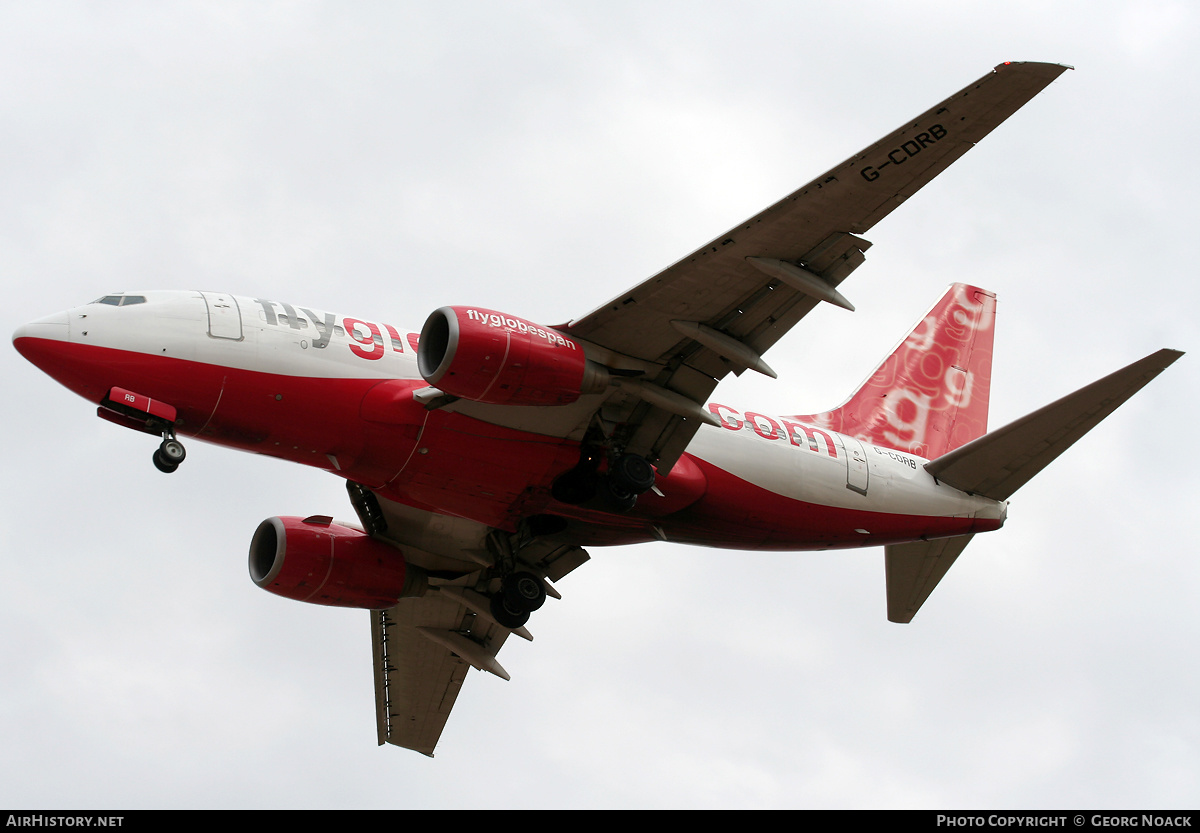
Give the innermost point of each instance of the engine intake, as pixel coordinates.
(317, 561)
(492, 357)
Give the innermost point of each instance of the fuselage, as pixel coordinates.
(336, 392)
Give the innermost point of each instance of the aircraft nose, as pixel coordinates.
(51, 328)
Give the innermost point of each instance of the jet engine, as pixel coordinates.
(488, 356)
(315, 560)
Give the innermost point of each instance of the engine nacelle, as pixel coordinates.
(315, 560)
(488, 356)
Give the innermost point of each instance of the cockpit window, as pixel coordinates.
(121, 300)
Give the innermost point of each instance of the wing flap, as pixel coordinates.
(1002, 461)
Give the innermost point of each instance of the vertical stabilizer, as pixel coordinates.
(930, 396)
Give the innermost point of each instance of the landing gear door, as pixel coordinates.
(224, 316)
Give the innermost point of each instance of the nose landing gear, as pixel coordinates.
(153, 416)
(169, 454)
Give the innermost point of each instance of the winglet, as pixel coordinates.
(1057, 69)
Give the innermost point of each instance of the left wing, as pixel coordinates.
(721, 307)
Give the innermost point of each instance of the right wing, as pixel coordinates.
(416, 677)
(423, 647)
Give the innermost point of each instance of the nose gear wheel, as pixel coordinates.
(169, 455)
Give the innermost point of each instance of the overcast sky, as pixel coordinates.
(385, 159)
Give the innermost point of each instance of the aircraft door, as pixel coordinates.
(858, 473)
(224, 316)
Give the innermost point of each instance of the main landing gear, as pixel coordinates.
(169, 454)
(513, 593)
(617, 489)
(520, 594)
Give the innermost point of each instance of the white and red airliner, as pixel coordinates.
(484, 453)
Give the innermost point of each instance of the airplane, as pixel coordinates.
(485, 452)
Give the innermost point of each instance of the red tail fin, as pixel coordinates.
(931, 394)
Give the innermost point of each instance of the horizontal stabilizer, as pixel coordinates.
(1002, 461)
(913, 570)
